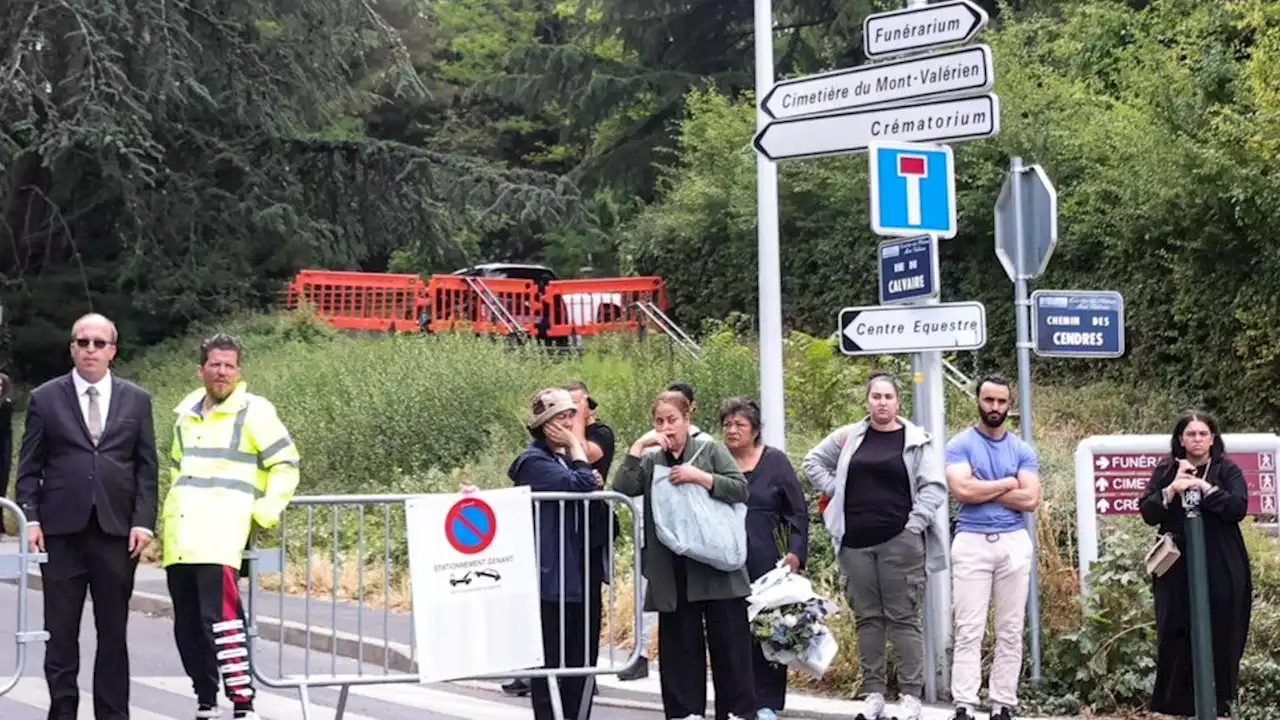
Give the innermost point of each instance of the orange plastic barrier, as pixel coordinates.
(595, 305)
(408, 303)
(455, 304)
(361, 301)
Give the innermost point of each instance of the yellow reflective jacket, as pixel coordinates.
(233, 467)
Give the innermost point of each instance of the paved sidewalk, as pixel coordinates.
(385, 638)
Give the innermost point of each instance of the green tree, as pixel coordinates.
(1147, 120)
(169, 161)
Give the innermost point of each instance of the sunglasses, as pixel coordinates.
(98, 343)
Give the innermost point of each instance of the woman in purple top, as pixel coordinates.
(776, 507)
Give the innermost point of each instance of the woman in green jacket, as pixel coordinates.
(684, 592)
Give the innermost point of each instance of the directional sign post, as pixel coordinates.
(921, 28)
(1026, 233)
(852, 132)
(1077, 323)
(1112, 472)
(1026, 221)
(880, 330)
(1120, 478)
(909, 270)
(967, 70)
(913, 189)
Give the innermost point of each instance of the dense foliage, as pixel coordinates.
(164, 161)
(167, 164)
(1157, 126)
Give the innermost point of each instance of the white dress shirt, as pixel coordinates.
(104, 396)
(104, 405)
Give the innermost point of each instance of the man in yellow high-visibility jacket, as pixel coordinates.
(234, 465)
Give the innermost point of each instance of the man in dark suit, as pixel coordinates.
(87, 482)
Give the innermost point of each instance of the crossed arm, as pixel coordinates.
(1021, 492)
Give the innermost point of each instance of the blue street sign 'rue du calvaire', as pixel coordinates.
(913, 189)
(908, 269)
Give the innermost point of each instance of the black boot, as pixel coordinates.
(636, 671)
(518, 687)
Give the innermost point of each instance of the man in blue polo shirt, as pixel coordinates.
(995, 476)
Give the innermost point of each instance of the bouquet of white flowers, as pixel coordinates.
(789, 620)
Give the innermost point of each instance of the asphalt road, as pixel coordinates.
(161, 690)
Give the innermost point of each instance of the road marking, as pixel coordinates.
(278, 707)
(34, 692)
(268, 704)
(438, 701)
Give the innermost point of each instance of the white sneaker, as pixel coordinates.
(873, 706)
(911, 709)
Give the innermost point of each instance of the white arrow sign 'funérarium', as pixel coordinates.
(920, 28)
(888, 329)
(967, 70)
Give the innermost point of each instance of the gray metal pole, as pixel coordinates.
(931, 414)
(1022, 308)
(938, 588)
(772, 396)
(920, 415)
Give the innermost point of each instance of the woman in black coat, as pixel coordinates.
(776, 507)
(1199, 462)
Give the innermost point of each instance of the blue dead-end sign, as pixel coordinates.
(1077, 323)
(909, 269)
(913, 189)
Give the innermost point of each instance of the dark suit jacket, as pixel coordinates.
(62, 476)
(6, 444)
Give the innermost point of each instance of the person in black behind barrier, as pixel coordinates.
(598, 440)
(777, 520)
(6, 439)
(556, 461)
(1199, 461)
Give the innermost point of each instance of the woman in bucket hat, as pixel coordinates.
(556, 461)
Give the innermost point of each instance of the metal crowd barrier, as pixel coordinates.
(14, 567)
(367, 659)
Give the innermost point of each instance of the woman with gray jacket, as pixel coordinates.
(884, 481)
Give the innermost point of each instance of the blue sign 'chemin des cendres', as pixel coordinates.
(908, 269)
(1077, 323)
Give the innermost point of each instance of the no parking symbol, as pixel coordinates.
(470, 526)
